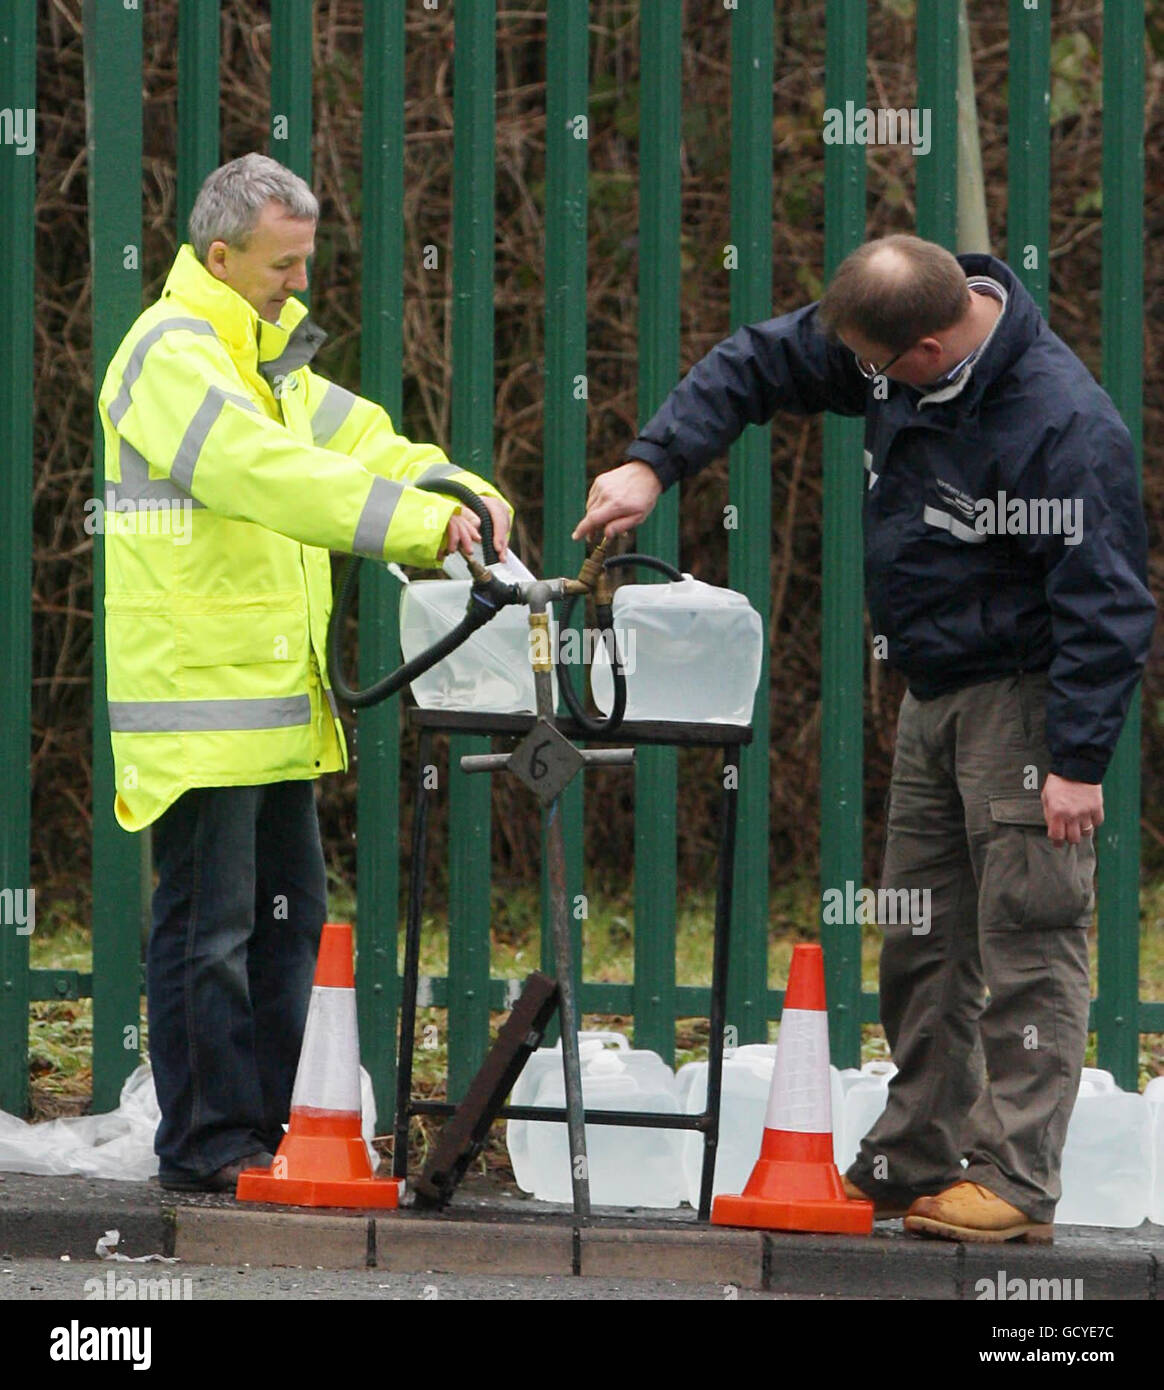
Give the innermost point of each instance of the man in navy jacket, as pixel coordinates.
(1005, 567)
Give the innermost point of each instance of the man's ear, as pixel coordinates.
(216, 259)
(931, 348)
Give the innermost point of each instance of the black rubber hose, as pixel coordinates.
(650, 562)
(605, 616)
(607, 725)
(390, 684)
(475, 505)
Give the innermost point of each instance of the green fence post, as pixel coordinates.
(1028, 149)
(470, 808)
(656, 779)
(842, 576)
(750, 489)
(937, 93)
(378, 742)
(17, 258)
(1117, 1005)
(198, 100)
(291, 33)
(566, 387)
(113, 67)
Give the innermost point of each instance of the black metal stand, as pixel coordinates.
(728, 736)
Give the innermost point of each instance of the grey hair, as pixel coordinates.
(233, 197)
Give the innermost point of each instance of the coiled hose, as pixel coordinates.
(604, 614)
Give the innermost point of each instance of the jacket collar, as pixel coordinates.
(1019, 324)
(276, 348)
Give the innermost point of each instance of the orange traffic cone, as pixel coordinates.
(795, 1185)
(323, 1161)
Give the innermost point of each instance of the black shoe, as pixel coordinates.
(224, 1180)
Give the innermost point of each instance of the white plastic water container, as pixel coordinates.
(747, 1084)
(537, 1066)
(866, 1093)
(627, 1167)
(1154, 1099)
(1107, 1159)
(490, 672)
(691, 652)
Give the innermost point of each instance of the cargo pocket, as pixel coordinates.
(1028, 880)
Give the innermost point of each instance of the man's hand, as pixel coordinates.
(465, 529)
(1073, 809)
(619, 500)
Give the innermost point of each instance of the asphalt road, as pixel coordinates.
(91, 1281)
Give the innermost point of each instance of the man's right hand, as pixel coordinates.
(619, 500)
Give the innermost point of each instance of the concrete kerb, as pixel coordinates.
(51, 1217)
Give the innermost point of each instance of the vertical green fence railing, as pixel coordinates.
(17, 192)
(198, 92)
(656, 776)
(470, 822)
(842, 574)
(381, 364)
(937, 93)
(565, 382)
(291, 35)
(750, 489)
(1028, 149)
(1116, 1016)
(113, 68)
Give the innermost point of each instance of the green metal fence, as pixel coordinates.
(121, 871)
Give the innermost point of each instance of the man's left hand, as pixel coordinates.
(1073, 809)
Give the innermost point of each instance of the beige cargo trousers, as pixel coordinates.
(985, 1003)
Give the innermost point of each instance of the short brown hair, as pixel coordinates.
(895, 290)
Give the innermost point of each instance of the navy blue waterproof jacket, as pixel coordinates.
(958, 602)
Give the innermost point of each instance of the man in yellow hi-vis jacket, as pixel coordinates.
(231, 470)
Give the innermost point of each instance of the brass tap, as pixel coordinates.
(591, 571)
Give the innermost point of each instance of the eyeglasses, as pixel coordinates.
(870, 372)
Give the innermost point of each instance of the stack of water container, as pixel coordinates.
(1113, 1160)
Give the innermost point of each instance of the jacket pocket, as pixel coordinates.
(1027, 880)
(245, 638)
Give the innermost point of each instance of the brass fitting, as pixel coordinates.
(591, 569)
(540, 652)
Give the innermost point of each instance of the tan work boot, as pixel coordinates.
(882, 1210)
(968, 1211)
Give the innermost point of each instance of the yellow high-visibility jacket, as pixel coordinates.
(231, 469)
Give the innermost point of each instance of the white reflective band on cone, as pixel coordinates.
(328, 1077)
(799, 1099)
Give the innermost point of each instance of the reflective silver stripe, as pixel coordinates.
(137, 486)
(333, 411)
(203, 716)
(182, 469)
(439, 470)
(945, 522)
(331, 701)
(305, 341)
(372, 527)
(120, 403)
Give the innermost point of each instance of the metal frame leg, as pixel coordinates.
(568, 1013)
(719, 976)
(411, 961)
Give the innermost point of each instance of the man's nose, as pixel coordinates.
(298, 278)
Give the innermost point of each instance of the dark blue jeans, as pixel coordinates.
(237, 914)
